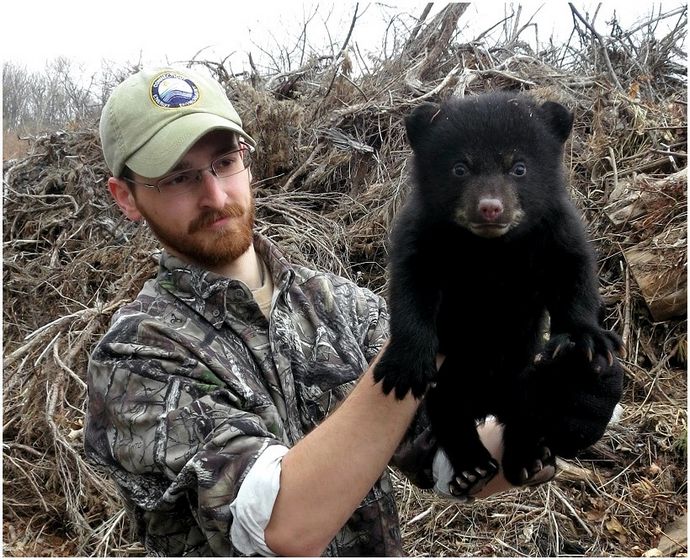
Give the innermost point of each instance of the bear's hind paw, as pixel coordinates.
(471, 481)
(541, 468)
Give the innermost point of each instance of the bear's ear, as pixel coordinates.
(418, 121)
(558, 119)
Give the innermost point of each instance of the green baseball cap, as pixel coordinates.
(155, 116)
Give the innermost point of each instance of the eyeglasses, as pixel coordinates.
(179, 182)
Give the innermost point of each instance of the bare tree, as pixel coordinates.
(14, 102)
(50, 99)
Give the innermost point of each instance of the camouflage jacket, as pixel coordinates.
(191, 383)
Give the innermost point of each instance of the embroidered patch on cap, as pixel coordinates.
(173, 90)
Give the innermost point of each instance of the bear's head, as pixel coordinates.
(491, 163)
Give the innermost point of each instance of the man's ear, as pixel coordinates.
(124, 198)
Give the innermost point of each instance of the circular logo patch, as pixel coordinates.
(172, 90)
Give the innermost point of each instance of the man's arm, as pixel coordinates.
(328, 473)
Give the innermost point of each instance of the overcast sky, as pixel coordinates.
(35, 31)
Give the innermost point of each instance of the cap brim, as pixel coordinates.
(165, 149)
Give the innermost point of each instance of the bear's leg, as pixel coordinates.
(456, 432)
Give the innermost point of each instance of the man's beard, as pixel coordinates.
(206, 247)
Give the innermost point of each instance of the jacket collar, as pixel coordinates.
(215, 296)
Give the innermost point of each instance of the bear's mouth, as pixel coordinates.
(484, 229)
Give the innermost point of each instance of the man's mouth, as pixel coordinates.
(216, 220)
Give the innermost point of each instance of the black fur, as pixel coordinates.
(488, 243)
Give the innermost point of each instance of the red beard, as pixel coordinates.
(209, 248)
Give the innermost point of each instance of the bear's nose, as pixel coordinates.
(490, 208)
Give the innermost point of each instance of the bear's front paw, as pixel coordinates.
(404, 373)
(591, 340)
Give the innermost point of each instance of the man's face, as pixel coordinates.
(212, 224)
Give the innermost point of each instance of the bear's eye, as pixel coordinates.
(460, 170)
(519, 169)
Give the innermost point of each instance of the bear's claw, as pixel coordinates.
(470, 482)
(403, 376)
(541, 469)
(590, 341)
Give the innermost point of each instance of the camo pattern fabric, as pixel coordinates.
(191, 383)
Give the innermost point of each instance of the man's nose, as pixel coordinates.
(213, 194)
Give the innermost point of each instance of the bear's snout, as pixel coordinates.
(490, 209)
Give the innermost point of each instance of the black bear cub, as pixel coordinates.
(486, 249)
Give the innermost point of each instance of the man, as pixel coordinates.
(208, 394)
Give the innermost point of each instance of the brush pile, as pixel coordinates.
(331, 174)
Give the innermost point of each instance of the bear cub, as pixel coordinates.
(487, 249)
